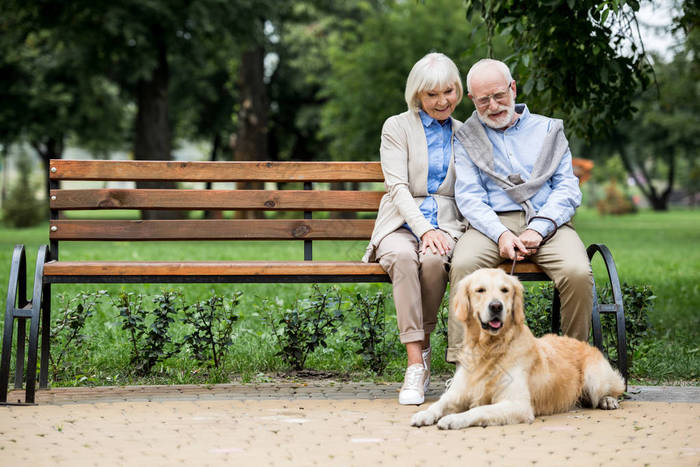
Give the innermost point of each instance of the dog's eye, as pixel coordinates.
(504, 289)
(480, 290)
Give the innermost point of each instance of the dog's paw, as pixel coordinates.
(608, 403)
(453, 421)
(423, 418)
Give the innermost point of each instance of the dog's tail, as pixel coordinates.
(601, 380)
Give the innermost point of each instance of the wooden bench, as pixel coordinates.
(315, 176)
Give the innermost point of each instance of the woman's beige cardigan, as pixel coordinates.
(404, 156)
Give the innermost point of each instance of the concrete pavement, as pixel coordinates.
(329, 423)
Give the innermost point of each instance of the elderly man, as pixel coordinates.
(516, 187)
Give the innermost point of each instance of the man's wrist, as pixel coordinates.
(540, 226)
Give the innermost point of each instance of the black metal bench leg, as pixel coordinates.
(17, 284)
(45, 337)
(616, 307)
(20, 352)
(595, 323)
(37, 302)
(556, 312)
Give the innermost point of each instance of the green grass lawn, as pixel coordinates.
(659, 249)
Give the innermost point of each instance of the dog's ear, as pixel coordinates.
(518, 307)
(460, 300)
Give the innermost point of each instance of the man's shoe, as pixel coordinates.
(413, 389)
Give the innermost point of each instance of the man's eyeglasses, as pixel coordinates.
(500, 97)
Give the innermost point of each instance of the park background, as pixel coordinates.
(314, 80)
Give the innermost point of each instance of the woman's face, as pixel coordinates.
(439, 103)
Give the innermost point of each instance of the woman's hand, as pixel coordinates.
(436, 241)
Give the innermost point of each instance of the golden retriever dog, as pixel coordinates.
(505, 375)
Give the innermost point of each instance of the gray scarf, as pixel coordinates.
(480, 150)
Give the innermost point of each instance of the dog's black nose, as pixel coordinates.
(495, 306)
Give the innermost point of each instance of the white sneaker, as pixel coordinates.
(426, 364)
(413, 389)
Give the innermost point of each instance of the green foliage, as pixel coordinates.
(366, 83)
(538, 308)
(151, 341)
(638, 303)
(22, 209)
(211, 326)
(299, 330)
(376, 345)
(582, 60)
(66, 334)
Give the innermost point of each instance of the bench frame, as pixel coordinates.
(37, 308)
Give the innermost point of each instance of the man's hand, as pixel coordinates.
(509, 246)
(531, 239)
(436, 241)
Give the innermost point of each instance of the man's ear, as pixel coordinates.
(460, 302)
(518, 307)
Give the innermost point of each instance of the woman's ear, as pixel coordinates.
(518, 307)
(460, 302)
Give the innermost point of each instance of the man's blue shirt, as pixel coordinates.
(515, 150)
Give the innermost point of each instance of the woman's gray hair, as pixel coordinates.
(502, 67)
(433, 71)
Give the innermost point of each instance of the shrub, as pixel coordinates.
(377, 347)
(211, 325)
(305, 326)
(21, 209)
(66, 334)
(149, 329)
(637, 302)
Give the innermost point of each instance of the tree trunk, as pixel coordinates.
(52, 148)
(657, 203)
(251, 140)
(216, 144)
(153, 136)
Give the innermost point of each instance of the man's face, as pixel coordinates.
(494, 98)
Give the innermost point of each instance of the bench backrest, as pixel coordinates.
(313, 175)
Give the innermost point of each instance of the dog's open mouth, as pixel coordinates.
(493, 325)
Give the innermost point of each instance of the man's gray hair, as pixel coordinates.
(484, 62)
(433, 71)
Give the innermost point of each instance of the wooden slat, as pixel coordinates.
(240, 229)
(210, 268)
(224, 268)
(63, 169)
(293, 200)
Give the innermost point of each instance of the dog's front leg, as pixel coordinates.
(501, 413)
(452, 400)
(511, 404)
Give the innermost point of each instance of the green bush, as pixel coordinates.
(299, 330)
(210, 328)
(377, 347)
(21, 209)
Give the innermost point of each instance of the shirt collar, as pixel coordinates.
(524, 115)
(428, 120)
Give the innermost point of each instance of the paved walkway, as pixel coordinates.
(329, 423)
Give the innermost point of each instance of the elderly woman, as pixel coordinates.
(418, 221)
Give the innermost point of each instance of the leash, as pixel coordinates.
(551, 234)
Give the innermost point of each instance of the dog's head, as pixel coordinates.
(489, 299)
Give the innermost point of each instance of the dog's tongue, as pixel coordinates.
(495, 324)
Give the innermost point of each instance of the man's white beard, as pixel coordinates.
(500, 122)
